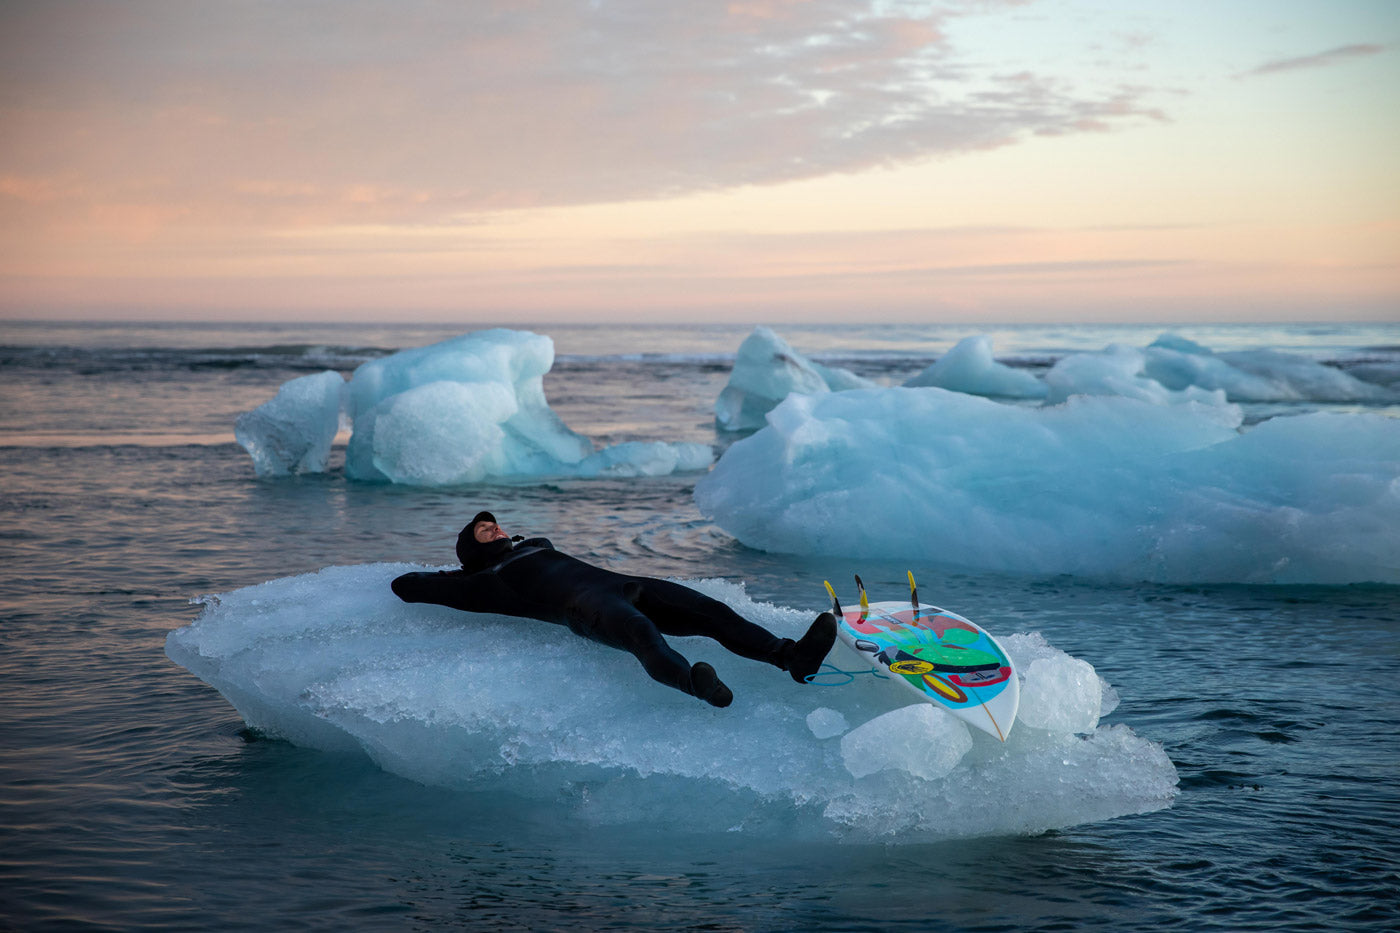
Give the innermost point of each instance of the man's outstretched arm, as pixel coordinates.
(470, 592)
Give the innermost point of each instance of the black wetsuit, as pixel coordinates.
(532, 580)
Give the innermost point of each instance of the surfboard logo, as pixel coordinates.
(946, 689)
(911, 667)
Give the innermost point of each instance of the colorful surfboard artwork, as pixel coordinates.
(942, 657)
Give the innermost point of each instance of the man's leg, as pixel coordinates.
(679, 610)
(620, 625)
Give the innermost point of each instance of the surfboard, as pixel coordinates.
(938, 655)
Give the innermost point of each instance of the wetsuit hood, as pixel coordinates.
(477, 556)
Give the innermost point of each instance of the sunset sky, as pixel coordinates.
(779, 160)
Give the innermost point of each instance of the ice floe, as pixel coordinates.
(528, 712)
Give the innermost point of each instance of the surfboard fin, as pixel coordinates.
(864, 599)
(913, 590)
(835, 603)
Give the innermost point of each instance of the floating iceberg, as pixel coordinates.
(1104, 487)
(645, 458)
(1174, 369)
(461, 411)
(294, 431)
(766, 371)
(1120, 370)
(969, 367)
(476, 401)
(1171, 371)
(525, 710)
(1253, 375)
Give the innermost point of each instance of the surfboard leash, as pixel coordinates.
(836, 671)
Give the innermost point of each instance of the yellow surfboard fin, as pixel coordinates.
(835, 603)
(913, 590)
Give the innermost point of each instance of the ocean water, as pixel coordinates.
(133, 796)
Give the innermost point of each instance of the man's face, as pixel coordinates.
(486, 532)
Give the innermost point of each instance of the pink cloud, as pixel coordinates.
(1330, 57)
(484, 105)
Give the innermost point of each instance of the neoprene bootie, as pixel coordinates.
(705, 684)
(807, 654)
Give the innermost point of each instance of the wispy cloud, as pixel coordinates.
(1335, 56)
(367, 112)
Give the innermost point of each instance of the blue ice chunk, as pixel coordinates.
(1174, 369)
(1253, 375)
(1106, 487)
(1064, 694)
(438, 434)
(826, 723)
(646, 458)
(970, 367)
(499, 400)
(294, 431)
(464, 410)
(1121, 370)
(931, 745)
(768, 370)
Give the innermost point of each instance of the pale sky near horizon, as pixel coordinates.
(992, 160)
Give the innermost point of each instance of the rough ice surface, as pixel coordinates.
(529, 712)
(1178, 363)
(1085, 703)
(294, 431)
(1062, 695)
(645, 458)
(766, 371)
(436, 435)
(495, 366)
(1172, 370)
(969, 367)
(1100, 486)
(826, 723)
(461, 411)
(1175, 369)
(1120, 370)
(919, 739)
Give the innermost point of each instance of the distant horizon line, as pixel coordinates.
(779, 320)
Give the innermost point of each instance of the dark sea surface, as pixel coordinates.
(133, 797)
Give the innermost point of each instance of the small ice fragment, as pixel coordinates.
(969, 367)
(293, 432)
(826, 723)
(1061, 694)
(919, 739)
(766, 371)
